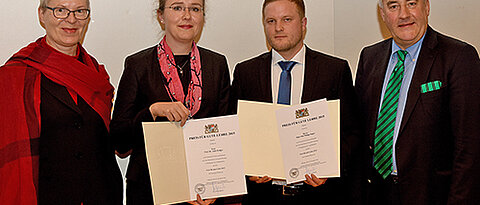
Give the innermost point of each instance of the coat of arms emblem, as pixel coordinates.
(302, 113)
(211, 128)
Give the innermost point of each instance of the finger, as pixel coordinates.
(184, 109)
(159, 109)
(318, 180)
(309, 180)
(152, 111)
(183, 121)
(268, 179)
(199, 200)
(314, 180)
(180, 112)
(169, 116)
(264, 179)
(181, 109)
(177, 116)
(260, 179)
(253, 178)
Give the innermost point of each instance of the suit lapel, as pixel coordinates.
(265, 74)
(422, 69)
(59, 92)
(379, 72)
(310, 75)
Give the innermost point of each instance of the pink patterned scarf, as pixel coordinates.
(173, 84)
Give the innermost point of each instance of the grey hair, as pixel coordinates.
(380, 3)
(43, 3)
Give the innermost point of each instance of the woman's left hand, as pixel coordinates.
(199, 201)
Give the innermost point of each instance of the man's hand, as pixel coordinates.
(260, 180)
(314, 181)
(199, 201)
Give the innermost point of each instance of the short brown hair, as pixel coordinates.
(300, 6)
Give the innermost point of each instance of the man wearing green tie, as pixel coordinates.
(419, 95)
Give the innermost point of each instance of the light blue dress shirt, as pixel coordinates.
(410, 64)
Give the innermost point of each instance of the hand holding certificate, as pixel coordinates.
(306, 139)
(203, 157)
(278, 144)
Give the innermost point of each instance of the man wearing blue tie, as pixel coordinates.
(291, 73)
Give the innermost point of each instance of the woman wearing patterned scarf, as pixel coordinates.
(175, 80)
(55, 109)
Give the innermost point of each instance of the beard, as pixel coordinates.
(285, 44)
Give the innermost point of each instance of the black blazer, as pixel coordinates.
(324, 77)
(76, 155)
(141, 85)
(438, 146)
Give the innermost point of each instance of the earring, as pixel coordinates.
(161, 21)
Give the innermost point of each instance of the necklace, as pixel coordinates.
(181, 67)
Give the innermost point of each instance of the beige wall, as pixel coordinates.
(358, 23)
(234, 28)
(122, 27)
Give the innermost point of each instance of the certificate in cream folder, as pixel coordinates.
(268, 152)
(203, 157)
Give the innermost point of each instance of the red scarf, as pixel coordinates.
(20, 110)
(193, 99)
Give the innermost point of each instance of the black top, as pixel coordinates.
(183, 68)
(141, 85)
(77, 160)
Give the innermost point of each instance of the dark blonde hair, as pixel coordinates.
(300, 6)
(161, 6)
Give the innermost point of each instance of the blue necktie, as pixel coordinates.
(285, 85)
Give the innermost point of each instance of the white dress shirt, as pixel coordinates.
(296, 72)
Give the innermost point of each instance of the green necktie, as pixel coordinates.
(386, 119)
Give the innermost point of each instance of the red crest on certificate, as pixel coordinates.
(302, 113)
(211, 128)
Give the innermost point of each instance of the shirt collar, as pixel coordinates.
(413, 50)
(299, 57)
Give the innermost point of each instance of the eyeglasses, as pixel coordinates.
(194, 9)
(63, 13)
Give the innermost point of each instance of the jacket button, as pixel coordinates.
(79, 155)
(395, 179)
(77, 125)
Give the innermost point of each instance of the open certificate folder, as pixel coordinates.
(287, 142)
(203, 157)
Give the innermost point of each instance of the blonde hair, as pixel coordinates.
(299, 3)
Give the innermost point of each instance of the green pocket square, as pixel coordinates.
(431, 86)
